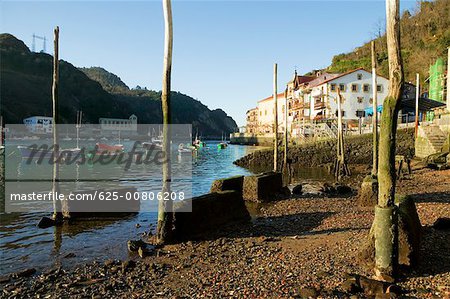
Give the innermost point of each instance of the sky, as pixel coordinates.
(223, 52)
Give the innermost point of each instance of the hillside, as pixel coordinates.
(425, 36)
(26, 80)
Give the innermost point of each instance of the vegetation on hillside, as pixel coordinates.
(425, 36)
(26, 79)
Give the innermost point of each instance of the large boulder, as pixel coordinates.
(209, 212)
(232, 183)
(409, 235)
(262, 187)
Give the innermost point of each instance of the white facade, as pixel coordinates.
(356, 92)
(119, 124)
(39, 124)
(266, 114)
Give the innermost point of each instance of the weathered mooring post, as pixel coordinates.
(385, 226)
(285, 170)
(368, 195)
(340, 166)
(57, 207)
(2, 164)
(275, 121)
(416, 120)
(375, 112)
(165, 208)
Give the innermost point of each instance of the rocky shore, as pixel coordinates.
(358, 150)
(296, 248)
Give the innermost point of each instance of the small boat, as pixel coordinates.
(102, 148)
(222, 145)
(151, 145)
(182, 150)
(32, 152)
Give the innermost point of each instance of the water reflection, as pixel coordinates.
(23, 245)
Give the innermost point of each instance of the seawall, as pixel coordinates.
(358, 150)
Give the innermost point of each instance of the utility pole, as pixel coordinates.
(165, 208)
(375, 112)
(275, 121)
(285, 127)
(417, 105)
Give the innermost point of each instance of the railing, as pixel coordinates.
(319, 105)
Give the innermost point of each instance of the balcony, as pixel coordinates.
(319, 105)
(300, 105)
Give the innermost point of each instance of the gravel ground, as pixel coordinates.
(294, 248)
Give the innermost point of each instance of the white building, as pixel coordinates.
(356, 92)
(266, 114)
(119, 124)
(39, 124)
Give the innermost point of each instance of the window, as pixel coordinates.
(342, 87)
(379, 88)
(265, 112)
(342, 113)
(333, 87)
(371, 101)
(366, 88)
(354, 87)
(359, 76)
(360, 100)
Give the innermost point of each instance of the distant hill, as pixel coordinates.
(110, 82)
(26, 79)
(425, 36)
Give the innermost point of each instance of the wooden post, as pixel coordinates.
(275, 121)
(165, 213)
(385, 222)
(417, 105)
(57, 210)
(285, 128)
(340, 166)
(448, 80)
(375, 112)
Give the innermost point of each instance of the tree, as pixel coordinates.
(385, 223)
(165, 213)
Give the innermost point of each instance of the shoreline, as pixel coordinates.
(292, 247)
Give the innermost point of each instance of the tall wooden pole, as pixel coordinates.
(375, 112)
(448, 80)
(165, 213)
(285, 128)
(385, 222)
(416, 126)
(275, 121)
(57, 211)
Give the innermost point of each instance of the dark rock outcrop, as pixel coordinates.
(209, 212)
(262, 187)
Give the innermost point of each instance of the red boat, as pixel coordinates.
(110, 149)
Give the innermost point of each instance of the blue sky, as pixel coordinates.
(223, 50)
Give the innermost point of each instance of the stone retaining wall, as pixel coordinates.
(358, 150)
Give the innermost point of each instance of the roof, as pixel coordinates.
(297, 80)
(424, 104)
(280, 95)
(249, 110)
(409, 105)
(331, 77)
(322, 79)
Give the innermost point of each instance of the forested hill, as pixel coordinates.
(26, 79)
(425, 36)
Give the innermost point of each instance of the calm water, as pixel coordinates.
(23, 245)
